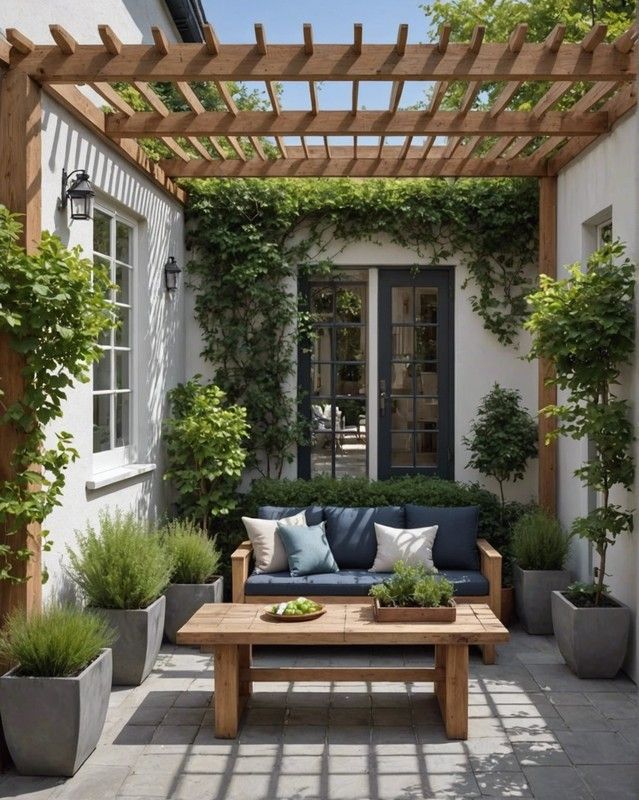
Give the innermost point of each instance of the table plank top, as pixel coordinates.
(240, 623)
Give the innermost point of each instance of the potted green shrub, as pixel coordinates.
(53, 703)
(539, 548)
(413, 594)
(195, 560)
(122, 572)
(584, 326)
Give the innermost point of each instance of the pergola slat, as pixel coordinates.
(555, 38)
(365, 123)
(160, 39)
(518, 37)
(504, 97)
(111, 43)
(113, 98)
(555, 93)
(19, 41)
(151, 98)
(594, 38)
(63, 39)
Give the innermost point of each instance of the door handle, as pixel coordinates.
(382, 397)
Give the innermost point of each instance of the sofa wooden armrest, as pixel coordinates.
(490, 567)
(240, 567)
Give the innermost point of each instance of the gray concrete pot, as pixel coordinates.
(52, 725)
(184, 599)
(593, 641)
(533, 589)
(139, 636)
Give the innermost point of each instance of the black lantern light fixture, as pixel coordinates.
(77, 189)
(171, 274)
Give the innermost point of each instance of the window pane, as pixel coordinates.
(121, 420)
(401, 449)
(102, 372)
(350, 344)
(426, 450)
(403, 341)
(322, 350)
(122, 338)
(402, 382)
(122, 369)
(322, 303)
(321, 379)
(402, 413)
(426, 305)
(402, 303)
(427, 379)
(123, 280)
(101, 232)
(322, 454)
(350, 303)
(427, 413)
(101, 423)
(123, 242)
(350, 379)
(426, 343)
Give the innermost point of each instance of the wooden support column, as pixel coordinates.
(547, 394)
(20, 179)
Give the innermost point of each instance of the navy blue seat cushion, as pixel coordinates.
(456, 541)
(314, 514)
(350, 582)
(351, 532)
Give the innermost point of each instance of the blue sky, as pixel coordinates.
(332, 23)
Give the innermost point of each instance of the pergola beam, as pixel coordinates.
(364, 123)
(326, 62)
(359, 167)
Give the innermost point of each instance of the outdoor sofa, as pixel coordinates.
(472, 564)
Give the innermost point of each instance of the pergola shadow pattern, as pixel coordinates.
(469, 140)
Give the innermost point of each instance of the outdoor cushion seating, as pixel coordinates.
(471, 564)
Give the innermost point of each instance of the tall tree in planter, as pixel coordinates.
(503, 437)
(204, 441)
(584, 325)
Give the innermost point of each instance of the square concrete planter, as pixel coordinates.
(52, 725)
(139, 636)
(593, 641)
(533, 590)
(184, 599)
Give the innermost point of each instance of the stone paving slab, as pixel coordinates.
(536, 731)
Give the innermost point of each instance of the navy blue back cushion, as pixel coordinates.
(314, 514)
(456, 541)
(351, 532)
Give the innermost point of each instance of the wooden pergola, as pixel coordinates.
(599, 77)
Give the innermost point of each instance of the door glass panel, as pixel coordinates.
(401, 413)
(402, 341)
(427, 413)
(426, 450)
(426, 305)
(426, 343)
(427, 379)
(350, 379)
(402, 304)
(350, 344)
(350, 304)
(322, 346)
(401, 449)
(402, 381)
(321, 379)
(322, 303)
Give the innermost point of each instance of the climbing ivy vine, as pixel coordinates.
(250, 239)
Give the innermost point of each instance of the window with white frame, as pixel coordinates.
(114, 247)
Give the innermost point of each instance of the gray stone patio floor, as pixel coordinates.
(535, 731)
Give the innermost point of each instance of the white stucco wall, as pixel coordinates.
(479, 360)
(603, 179)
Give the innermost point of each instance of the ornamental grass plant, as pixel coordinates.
(59, 642)
(194, 556)
(539, 542)
(123, 565)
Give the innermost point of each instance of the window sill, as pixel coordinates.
(117, 475)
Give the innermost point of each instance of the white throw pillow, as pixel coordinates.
(269, 552)
(413, 546)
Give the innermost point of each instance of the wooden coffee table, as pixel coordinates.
(230, 630)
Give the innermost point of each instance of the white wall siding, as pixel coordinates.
(604, 178)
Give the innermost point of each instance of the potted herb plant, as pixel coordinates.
(584, 326)
(195, 560)
(539, 548)
(53, 703)
(413, 594)
(122, 572)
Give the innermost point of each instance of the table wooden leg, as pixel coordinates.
(227, 690)
(456, 691)
(488, 653)
(246, 660)
(440, 685)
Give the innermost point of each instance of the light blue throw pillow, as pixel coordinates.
(307, 550)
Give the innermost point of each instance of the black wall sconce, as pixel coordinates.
(79, 191)
(171, 274)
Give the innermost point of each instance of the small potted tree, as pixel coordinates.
(195, 560)
(539, 548)
(502, 439)
(584, 326)
(122, 572)
(54, 702)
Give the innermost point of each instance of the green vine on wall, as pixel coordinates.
(251, 238)
(53, 307)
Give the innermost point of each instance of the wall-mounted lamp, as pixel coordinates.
(79, 191)
(171, 274)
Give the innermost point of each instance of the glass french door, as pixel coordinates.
(415, 373)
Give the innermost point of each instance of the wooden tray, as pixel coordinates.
(296, 618)
(441, 614)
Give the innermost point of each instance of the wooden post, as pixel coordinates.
(547, 394)
(20, 179)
